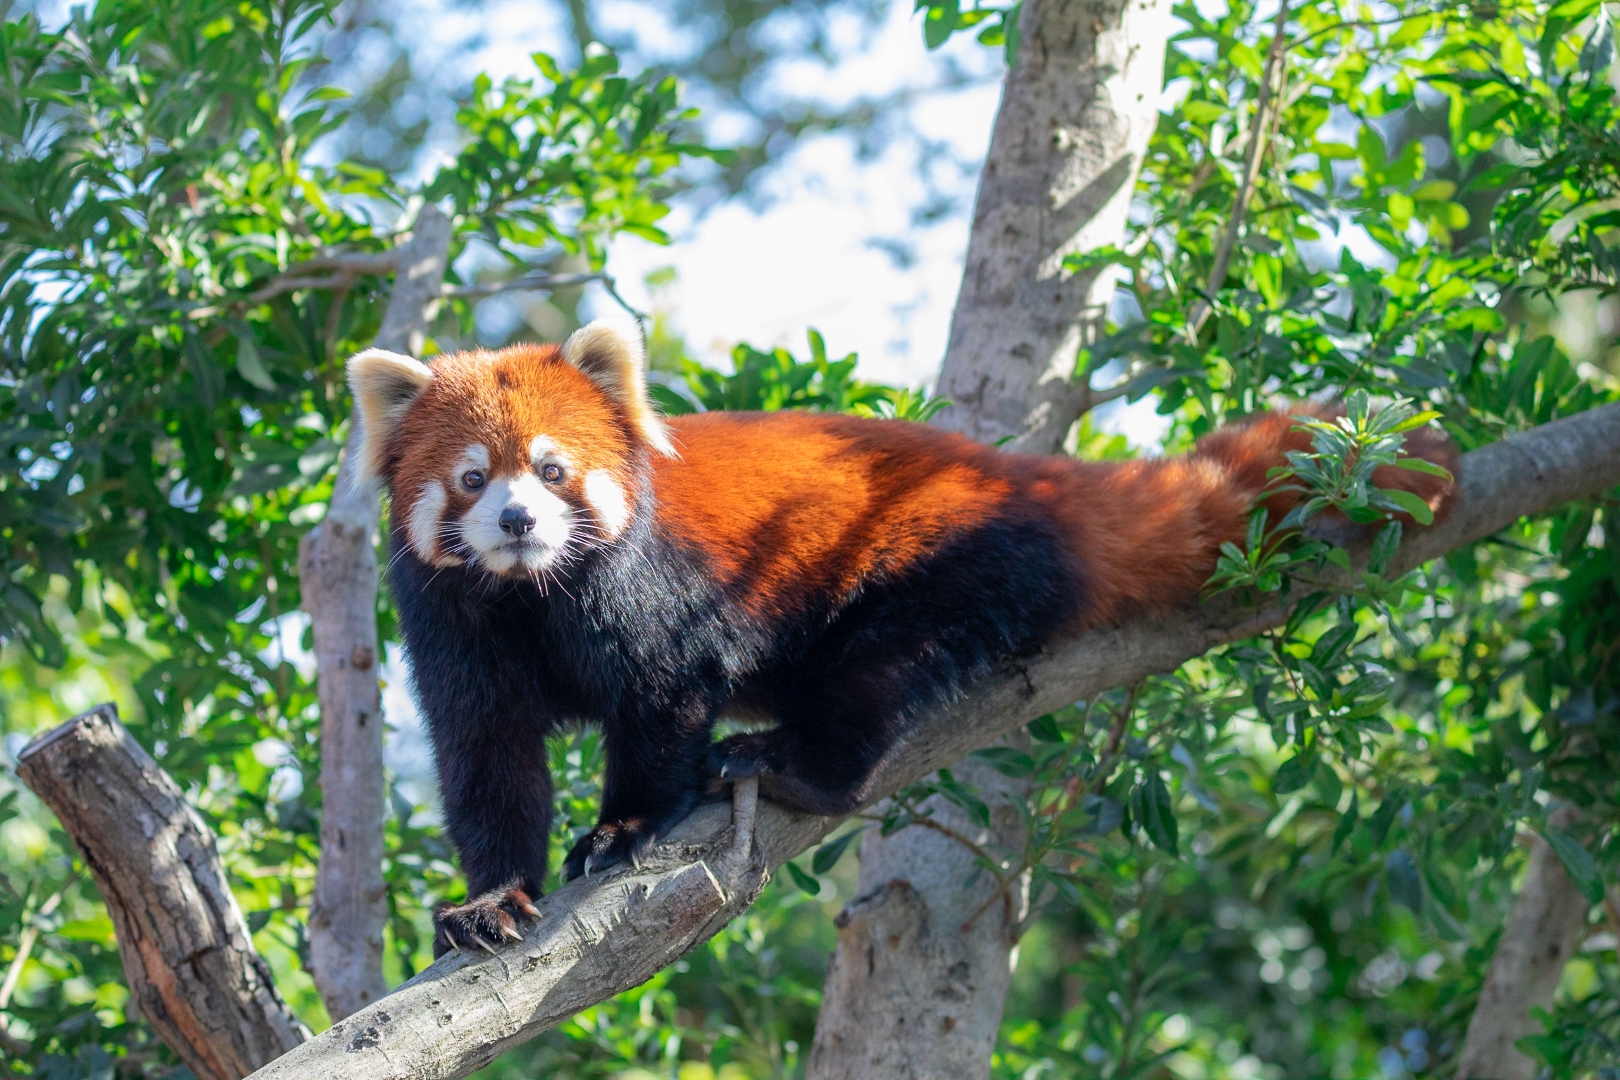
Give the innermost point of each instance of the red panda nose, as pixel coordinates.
(516, 520)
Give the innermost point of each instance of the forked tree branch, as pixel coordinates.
(602, 935)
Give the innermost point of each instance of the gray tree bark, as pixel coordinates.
(915, 989)
(601, 935)
(1542, 933)
(188, 958)
(337, 569)
(1076, 115)
(919, 978)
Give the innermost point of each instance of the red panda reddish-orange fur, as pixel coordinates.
(835, 575)
(788, 506)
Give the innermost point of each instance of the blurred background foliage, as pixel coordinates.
(1291, 858)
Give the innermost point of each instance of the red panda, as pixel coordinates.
(562, 553)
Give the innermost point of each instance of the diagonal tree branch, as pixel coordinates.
(187, 954)
(602, 935)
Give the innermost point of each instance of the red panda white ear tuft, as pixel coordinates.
(384, 385)
(611, 353)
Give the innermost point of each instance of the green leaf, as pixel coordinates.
(807, 884)
(1293, 774)
(1384, 547)
(1045, 729)
(1328, 786)
(1411, 504)
(1405, 883)
(1417, 464)
(1150, 805)
(1578, 864)
(1412, 423)
(828, 854)
(1598, 52)
(1385, 815)
(1347, 823)
(249, 365)
(940, 22)
(1006, 760)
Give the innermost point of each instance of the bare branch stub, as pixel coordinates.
(188, 957)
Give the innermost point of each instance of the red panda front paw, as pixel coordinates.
(483, 922)
(609, 844)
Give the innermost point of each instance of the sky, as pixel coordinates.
(812, 246)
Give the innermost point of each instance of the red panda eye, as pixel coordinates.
(551, 473)
(472, 479)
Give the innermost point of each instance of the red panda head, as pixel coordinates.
(510, 459)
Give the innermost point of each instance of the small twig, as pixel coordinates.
(537, 282)
(356, 263)
(26, 940)
(334, 319)
(1270, 87)
(944, 830)
(744, 808)
(540, 282)
(1102, 397)
(613, 291)
(346, 268)
(1116, 735)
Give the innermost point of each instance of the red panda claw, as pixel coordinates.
(484, 944)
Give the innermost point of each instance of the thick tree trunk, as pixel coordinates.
(188, 958)
(1546, 925)
(601, 935)
(337, 568)
(917, 984)
(1076, 115)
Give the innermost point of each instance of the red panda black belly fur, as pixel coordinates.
(563, 555)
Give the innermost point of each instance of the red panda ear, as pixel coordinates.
(611, 353)
(384, 385)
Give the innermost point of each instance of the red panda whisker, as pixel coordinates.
(558, 579)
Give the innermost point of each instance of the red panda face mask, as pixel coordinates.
(514, 460)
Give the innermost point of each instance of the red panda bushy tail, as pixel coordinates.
(1150, 532)
(1249, 449)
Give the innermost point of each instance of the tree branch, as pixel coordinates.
(345, 267)
(188, 957)
(527, 281)
(1077, 113)
(337, 570)
(1546, 925)
(599, 936)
